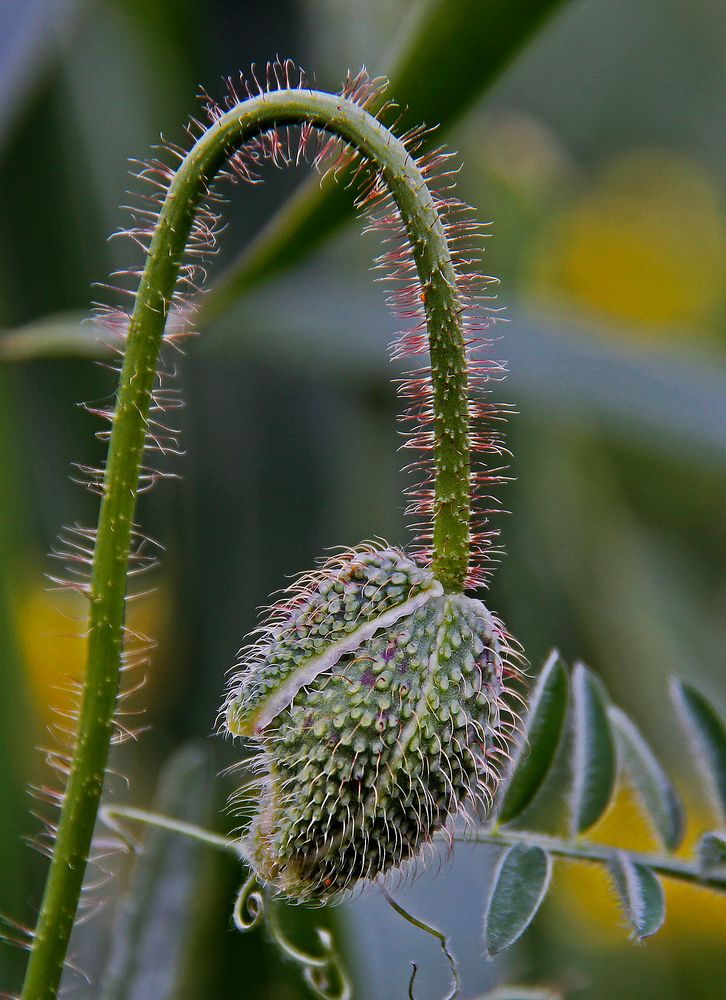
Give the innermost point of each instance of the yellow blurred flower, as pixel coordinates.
(646, 244)
(50, 626)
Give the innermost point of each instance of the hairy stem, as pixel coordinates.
(416, 205)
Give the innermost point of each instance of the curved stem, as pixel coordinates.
(252, 906)
(323, 973)
(249, 906)
(417, 208)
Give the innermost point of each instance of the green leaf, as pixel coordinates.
(520, 884)
(456, 52)
(652, 784)
(152, 932)
(543, 730)
(706, 730)
(593, 756)
(641, 895)
(711, 851)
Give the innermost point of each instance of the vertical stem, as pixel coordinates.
(128, 437)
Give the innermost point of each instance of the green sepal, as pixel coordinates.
(324, 617)
(365, 766)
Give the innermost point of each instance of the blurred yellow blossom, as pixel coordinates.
(50, 627)
(646, 244)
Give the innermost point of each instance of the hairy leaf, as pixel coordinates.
(152, 930)
(455, 52)
(711, 851)
(652, 784)
(520, 884)
(707, 733)
(544, 724)
(641, 895)
(593, 758)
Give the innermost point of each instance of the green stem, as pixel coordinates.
(417, 207)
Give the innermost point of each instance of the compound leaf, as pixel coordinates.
(707, 733)
(711, 851)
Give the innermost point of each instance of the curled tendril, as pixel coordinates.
(324, 973)
(440, 937)
(249, 906)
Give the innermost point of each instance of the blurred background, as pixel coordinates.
(598, 154)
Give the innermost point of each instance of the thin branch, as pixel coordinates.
(571, 850)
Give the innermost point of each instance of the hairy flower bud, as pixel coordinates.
(393, 735)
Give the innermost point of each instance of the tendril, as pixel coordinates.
(323, 973)
(440, 937)
(249, 906)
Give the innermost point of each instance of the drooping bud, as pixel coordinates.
(391, 739)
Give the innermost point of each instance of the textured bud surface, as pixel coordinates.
(326, 616)
(365, 765)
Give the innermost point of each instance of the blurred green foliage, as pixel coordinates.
(599, 157)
